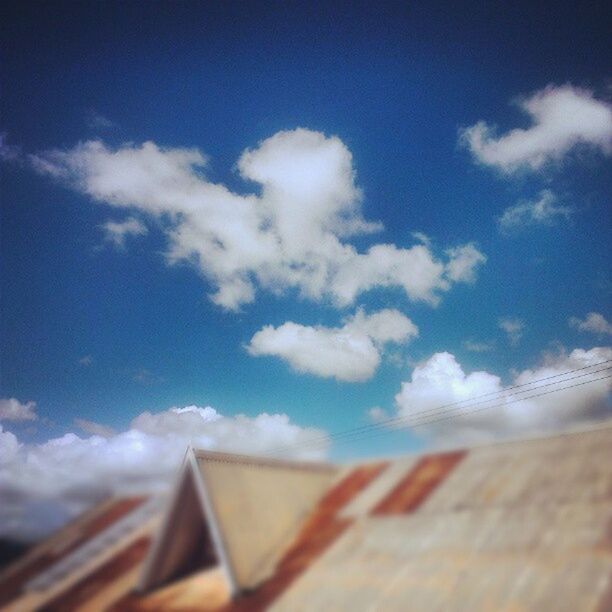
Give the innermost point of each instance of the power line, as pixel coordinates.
(442, 417)
(458, 415)
(391, 420)
(468, 403)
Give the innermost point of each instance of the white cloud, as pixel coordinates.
(97, 121)
(116, 232)
(8, 152)
(542, 211)
(293, 235)
(514, 329)
(594, 322)
(12, 409)
(9, 447)
(377, 414)
(86, 360)
(348, 353)
(562, 118)
(463, 263)
(441, 381)
(146, 377)
(478, 347)
(93, 428)
(41, 488)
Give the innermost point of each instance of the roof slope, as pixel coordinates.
(516, 526)
(523, 525)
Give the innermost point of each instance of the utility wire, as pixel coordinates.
(440, 410)
(493, 395)
(454, 415)
(467, 403)
(443, 417)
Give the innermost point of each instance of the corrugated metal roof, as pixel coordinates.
(515, 526)
(522, 525)
(258, 506)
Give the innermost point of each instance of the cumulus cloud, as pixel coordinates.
(8, 152)
(117, 232)
(93, 428)
(441, 381)
(463, 263)
(562, 117)
(146, 377)
(376, 414)
(349, 353)
(594, 323)
(97, 121)
(9, 447)
(542, 211)
(40, 487)
(292, 232)
(12, 409)
(478, 347)
(514, 329)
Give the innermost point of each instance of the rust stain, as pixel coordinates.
(106, 574)
(319, 532)
(205, 591)
(419, 483)
(11, 586)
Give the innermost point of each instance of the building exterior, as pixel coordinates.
(522, 525)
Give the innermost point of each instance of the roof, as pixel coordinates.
(523, 525)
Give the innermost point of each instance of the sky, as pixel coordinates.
(250, 226)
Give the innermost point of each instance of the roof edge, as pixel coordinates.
(534, 437)
(262, 460)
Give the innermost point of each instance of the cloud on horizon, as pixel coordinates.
(41, 489)
(440, 381)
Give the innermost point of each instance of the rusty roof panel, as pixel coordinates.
(497, 559)
(420, 481)
(517, 526)
(371, 496)
(524, 525)
(91, 585)
(321, 529)
(257, 507)
(552, 470)
(63, 543)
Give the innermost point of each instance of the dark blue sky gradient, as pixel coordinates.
(394, 81)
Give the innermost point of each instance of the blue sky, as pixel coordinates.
(100, 327)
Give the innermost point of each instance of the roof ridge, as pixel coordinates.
(262, 460)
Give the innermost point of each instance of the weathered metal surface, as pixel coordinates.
(91, 585)
(371, 496)
(499, 559)
(420, 481)
(516, 526)
(203, 591)
(565, 468)
(321, 529)
(62, 544)
(522, 525)
(258, 507)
